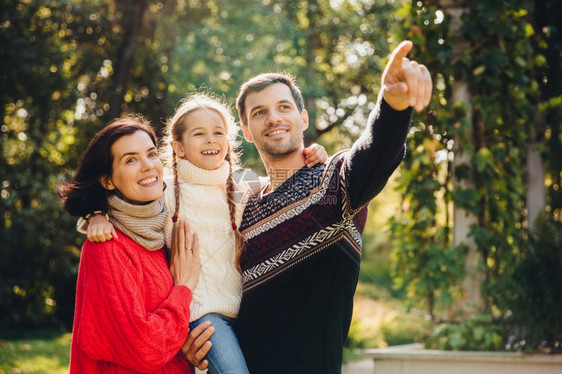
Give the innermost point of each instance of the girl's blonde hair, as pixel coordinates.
(175, 128)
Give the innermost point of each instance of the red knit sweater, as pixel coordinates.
(129, 316)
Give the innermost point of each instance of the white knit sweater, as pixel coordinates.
(204, 206)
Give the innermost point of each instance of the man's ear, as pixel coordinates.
(304, 116)
(247, 133)
(106, 183)
(178, 149)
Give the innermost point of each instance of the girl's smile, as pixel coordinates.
(204, 142)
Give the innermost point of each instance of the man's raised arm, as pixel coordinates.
(406, 84)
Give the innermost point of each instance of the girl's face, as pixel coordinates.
(204, 142)
(136, 171)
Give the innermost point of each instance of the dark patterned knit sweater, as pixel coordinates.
(302, 263)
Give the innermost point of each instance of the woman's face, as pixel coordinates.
(137, 170)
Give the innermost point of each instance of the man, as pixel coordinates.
(301, 265)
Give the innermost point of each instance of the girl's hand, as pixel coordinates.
(315, 154)
(184, 259)
(100, 229)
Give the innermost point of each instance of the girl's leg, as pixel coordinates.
(225, 356)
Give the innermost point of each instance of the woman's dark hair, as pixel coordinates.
(84, 194)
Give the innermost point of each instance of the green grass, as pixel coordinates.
(35, 353)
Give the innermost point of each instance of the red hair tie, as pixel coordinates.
(234, 227)
(175, 218)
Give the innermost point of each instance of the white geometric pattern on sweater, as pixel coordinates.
(301, 247)
(298, 208)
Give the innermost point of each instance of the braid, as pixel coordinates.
(176, 186)
(240, 241)
(169, 254)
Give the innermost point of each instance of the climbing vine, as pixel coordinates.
(497, 49)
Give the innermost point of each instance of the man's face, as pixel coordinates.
(274, 123)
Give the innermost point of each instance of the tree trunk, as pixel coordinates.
(471, 303)
(313, 14)
(132, 23)
(3, 164)
(536, 192)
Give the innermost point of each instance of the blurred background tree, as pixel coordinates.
(464, 194)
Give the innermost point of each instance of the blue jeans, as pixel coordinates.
(225, 355)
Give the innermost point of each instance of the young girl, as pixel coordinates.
(199, 149)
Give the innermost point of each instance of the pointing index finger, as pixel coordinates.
(399, 53)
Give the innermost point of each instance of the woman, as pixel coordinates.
(132, 312)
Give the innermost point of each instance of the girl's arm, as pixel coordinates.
(97, 228)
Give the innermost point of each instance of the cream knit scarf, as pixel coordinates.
(142, 223)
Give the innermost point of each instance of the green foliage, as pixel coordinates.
(376, 263)
(62, 78)
(537, 297)
(405, 329)
(39, 267)
(362, 335)
(380, 320)
(475, 334)
(490, 50)
(426, 268)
